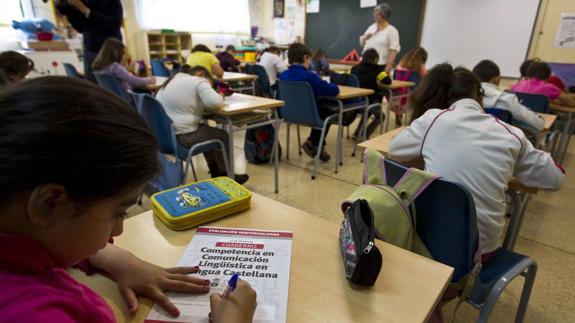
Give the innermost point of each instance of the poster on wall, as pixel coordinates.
(279, 6)
(312, 6)
(367, 3)
(565, 37)
(290, 28)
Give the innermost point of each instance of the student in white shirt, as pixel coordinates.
(458, 141)
(489, 75)
(273, 64)
(382, 36)
(187, 96)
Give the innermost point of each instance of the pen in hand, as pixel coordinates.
(232, 284)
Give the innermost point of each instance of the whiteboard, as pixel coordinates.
(463, 32)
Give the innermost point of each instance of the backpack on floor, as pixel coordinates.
(259, 144)
(170, 176)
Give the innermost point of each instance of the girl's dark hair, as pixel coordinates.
(370, 56)
(230, 47)
(525, 66)
(538, 70)
(486, 70)
(414, 59)
(442, 86)
(15, 65)
(297, 53)
(111, 52)
(4, 79)
(67, 131)
(187, 69)
(201, 48)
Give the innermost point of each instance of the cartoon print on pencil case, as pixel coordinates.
(186, 198)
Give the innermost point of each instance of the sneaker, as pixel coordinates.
(311, 151)
(241, 178)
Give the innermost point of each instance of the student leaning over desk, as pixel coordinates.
(457, 140)
(62, 205)
(536, 79)
(489, 75)
(202, 56)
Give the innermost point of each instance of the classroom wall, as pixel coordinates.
(545, 30)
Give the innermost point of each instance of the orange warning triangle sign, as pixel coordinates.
(351, 57)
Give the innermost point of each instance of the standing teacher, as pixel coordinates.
(96, 20)
(382, 37)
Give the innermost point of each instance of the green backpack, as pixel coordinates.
(392, 206)
(395, 215)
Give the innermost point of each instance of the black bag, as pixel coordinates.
(362, 259)
(259, 144)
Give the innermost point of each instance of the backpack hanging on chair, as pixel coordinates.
(171, 175)
(259, 144)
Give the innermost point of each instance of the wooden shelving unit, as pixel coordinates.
(168, 45)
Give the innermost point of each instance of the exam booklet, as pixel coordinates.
(260, 257)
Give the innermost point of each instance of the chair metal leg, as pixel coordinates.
(194, 170)
(326, 122)
(276, 152)
(288, 126)
(501, 284)
(298, 141)
(529, 277)
(347, 132)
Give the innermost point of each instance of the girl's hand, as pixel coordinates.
(238, 307)
(137, 277)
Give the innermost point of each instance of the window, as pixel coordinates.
(223, 16)
(10, 10)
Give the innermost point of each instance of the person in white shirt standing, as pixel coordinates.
(186, 97)
(382, 36)
(489, 75)
(272, 63)
(458, 141)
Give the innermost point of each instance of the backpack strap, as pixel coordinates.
(414, 182)
(373, 168)
(466, 284)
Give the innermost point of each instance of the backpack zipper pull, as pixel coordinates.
(368, 248)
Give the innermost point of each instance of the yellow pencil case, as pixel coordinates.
(190, 205)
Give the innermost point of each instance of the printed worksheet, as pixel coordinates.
(260, 257)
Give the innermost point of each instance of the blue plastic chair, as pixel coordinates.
(162, 125)
(447, 224)
(71, 71)
(112, 84)
(158, 68)
(263, 78)
(500, 114)
(301, 109)
(536, 102)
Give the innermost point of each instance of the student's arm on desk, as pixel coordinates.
(536, 168)
(321, 87)
(566, 99)
(407, 144)
(211, 99)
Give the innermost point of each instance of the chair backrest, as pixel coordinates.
(446, 221)
(112, 84)
(158, 120)
(158, 68)
(500, 114)
(263, 78)
(300, 105)
(71, 71)
(536, 102)
(407, 75)
(344, 79)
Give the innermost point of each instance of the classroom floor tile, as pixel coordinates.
(546, 235)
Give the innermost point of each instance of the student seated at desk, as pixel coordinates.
(368, 72)
(414, 60)
(61, 206)
(187, 96)
(319, 63)
(536, 81)
(202, 56)
(110, 58)
(299, 57)
(273, 64)
(458, 141)
(489, 75)
(14, 67)
(228, 61)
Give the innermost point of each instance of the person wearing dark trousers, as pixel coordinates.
(96, 20)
